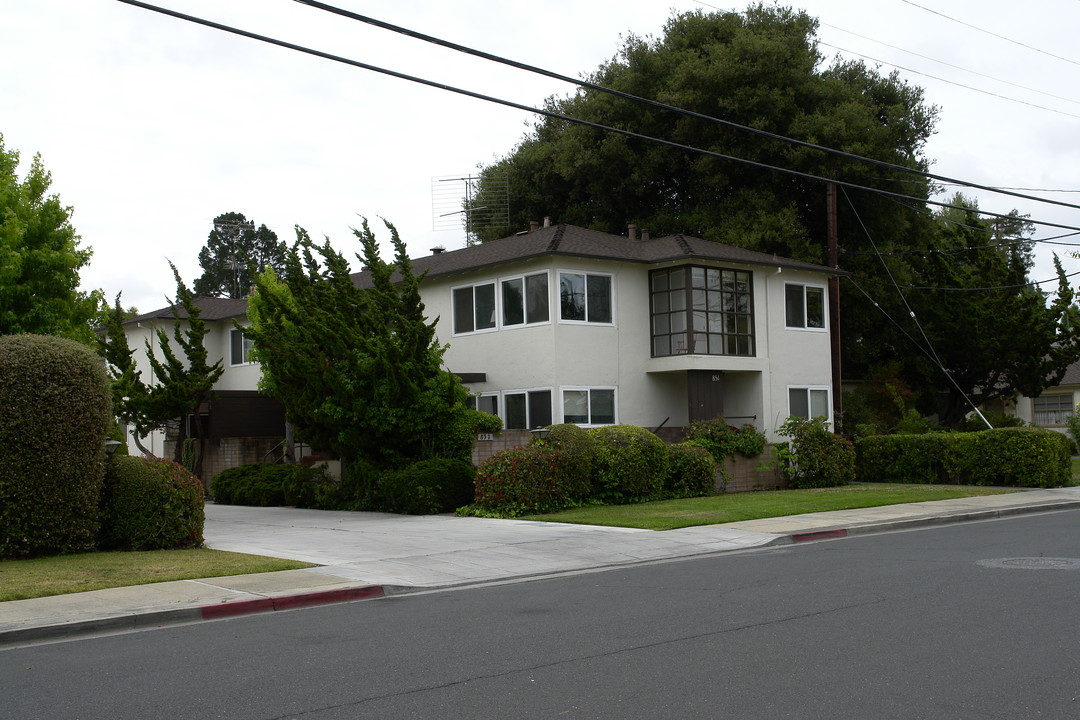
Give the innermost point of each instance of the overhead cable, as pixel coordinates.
(663, 106)
(566, 118)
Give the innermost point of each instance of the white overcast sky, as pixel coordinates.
(152, 126)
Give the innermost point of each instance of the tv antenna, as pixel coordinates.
(458, 202)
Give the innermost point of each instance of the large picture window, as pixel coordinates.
(584, 297)
(1053, 409)
(702, 311)
(804, 306)
(589, 406)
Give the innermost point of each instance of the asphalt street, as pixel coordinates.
(978, 620)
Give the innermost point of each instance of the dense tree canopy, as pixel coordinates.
(359, 371)
(40, 258)
(235, 252)
(995, 333)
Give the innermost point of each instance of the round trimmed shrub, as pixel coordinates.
(524, 480)
(55, 413)
(815, 457)
(629, 465)
(150, 504)
(426, 487)
(691, 471)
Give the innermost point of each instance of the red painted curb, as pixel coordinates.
(818, 535)
(286, 602)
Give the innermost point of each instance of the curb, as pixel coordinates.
(929, 521)
(161, 618)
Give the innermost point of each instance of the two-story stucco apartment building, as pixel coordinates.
(565, 324)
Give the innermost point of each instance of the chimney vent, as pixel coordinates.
(632, 231)
(438, 250)
(533, 226)
(645, 234)
(547, 221)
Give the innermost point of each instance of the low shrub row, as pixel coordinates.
(422, 488)
(1020, 457)
(611, 464)
(149, 504)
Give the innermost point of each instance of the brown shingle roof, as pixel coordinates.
(210, 308)
(576, 241)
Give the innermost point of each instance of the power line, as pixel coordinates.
(941, 79)
(567, 118)
(988, 32)
(949, 64)
(663, 106)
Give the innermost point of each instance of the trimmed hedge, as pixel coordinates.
(576, 444)
(536, 478)
(1020, 457)
(629, 465)
(723, 440)
(55, 413)
(426, 487)
(270, 485)
(691, 471)
(150, 504)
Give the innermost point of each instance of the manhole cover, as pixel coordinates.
(1032, 563)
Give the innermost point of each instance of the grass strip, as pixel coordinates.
(63, 574)
(718, 509)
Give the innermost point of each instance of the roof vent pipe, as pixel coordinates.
(547, 221)
(632, 231)
(437, 250)
(533, 226)
(645, 235)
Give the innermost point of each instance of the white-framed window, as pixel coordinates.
(485, 402)
(239, 347)
(1052, 409)
(589, 406)
(474, 308)
(525, 300)
(526, 409)
(804, 306)
(809, 402)
(586, 297)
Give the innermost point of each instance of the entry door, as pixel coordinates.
(706, 394)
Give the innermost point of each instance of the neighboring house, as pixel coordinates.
(241, 425)
(1054, 406)
(564, 324)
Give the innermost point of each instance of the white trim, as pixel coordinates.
(528, 408)
(808, 388)
(824, 307)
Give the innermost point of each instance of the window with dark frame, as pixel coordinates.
(240, 347)
(1053, 409)
(702, 311)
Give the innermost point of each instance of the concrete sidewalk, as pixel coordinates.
(365, 555)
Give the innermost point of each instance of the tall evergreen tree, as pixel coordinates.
(181, 386)
(359, 371)
(235, 252)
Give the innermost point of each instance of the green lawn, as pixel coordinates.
(716, 509)
(39, 577)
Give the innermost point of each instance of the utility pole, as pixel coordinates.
(833, 262)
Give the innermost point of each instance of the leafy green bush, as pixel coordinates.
(814, 457)
(1022, 457)
(55, 413)
(426, 487)
(723, 440)
(150, 504)
(1074, 426)
(575, 443)
(259, 484)
(531, 479)
(691, 471)
(629, 465)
